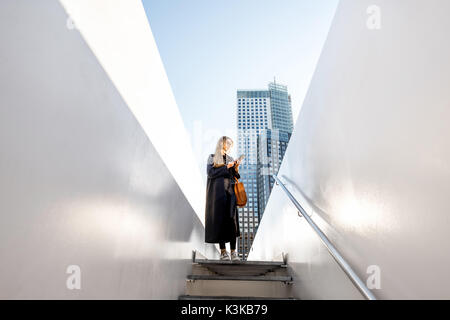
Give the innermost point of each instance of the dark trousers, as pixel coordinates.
(229, 188)
(232, 244)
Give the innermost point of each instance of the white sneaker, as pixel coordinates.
(235, 256)
(224, 256)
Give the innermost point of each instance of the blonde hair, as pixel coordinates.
(218, 157)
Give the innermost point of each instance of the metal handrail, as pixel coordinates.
(333, 251)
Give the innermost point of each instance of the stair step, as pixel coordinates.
(246, 263)
(241, 280)
(221, 286)
(188, 297)
(235, 270)
(239, 277)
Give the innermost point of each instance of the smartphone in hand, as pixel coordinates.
(239, 160)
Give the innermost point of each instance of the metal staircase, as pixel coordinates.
(242, 280)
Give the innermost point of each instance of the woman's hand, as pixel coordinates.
(230, 164)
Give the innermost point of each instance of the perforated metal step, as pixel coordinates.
(241, 280)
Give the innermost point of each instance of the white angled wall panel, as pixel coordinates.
(118, 33)
(370, 157)
(88, 193)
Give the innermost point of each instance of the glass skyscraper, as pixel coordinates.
(280, 103)
(272, 145)
(260, 113)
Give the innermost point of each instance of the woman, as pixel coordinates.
(221, 215)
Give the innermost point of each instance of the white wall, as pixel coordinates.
(118, 33)
(369, 157)
(81, 182)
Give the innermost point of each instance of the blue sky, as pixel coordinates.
(211, 48)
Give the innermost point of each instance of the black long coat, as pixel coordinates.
(221, 217)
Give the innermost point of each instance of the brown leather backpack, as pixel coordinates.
(241, 195)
